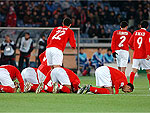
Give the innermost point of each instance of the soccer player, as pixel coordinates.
(140, 43)
(31, 80)
(119, 46)
(107, 78)
(8, 75)
(56, 43)
(97, 59)
(43, 69)
(64, 80)
(84, 63)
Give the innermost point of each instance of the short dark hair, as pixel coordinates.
(67, 21)
(81, 48)
(131, 85)
(99, 48)
(27, 33)
(144, 24)
(123, 24)
(109, 49)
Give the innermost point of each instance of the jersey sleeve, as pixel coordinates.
(21, 82)
(113, 42)
(42, 56)
(72, 40)
(131, 42)
(50, 36)
(48, 78)
(117, 87)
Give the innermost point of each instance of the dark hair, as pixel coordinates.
(123, 24)
(99, 48)
(81, 48)
(27, 33)
(144, 24)
(131, 85)
(109, 49)
(67, 21)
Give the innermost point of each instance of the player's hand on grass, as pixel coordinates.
(114, 54)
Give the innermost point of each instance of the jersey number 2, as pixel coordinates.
(123, 39)
(58, 34)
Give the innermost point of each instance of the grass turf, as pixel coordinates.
(138, 101)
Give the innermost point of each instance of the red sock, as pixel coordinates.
(65, 89)
(148, 77)
(34, 87)
(99, 90)
(50, 89)
(132, 75)
(7, 89)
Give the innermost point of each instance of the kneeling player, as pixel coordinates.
(107, 78)
(8, 74)
(31, 80)
(64, 80)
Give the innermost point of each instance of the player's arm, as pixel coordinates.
(131, 41)
(20, 79)
(48, 78)
(113, 42)
(50, 36)
(41, 56)
(117, 86)
(72, 40)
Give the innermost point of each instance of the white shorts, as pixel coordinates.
(5, 78)
(42, 77)
(122, 58)
(103, 77)
(59, 75)
(29, 75)
(141, 63)
(54, 56)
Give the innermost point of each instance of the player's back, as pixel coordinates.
(138, 43)
(60, 36)
(72, 76)
(117, 75)
(120, 40)
(11, 69)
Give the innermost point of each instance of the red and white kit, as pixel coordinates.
(140, 43)
(63, 76)
(8, 74)
(119, 45)
(43, 69)
(56, 44)
(107, 76)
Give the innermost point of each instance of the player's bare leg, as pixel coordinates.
(132, 75)
(148, 77)
(123, 69)
(119, 68)
(110, 90)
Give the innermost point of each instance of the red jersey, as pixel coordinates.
(140, 43)
(120, 40)
(44, 68)
(15, 73)
(59, 38)
(118, 79)
(75, 81)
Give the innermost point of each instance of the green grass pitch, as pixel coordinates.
(138, 101)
